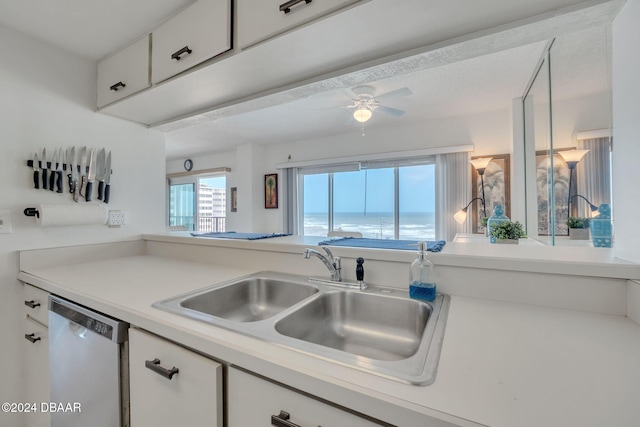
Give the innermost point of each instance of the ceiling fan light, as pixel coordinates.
(362, 114)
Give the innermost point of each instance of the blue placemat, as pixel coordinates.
(242, 236)
(410, 245)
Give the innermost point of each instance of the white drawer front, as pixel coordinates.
(124, 73)
(35, 304)
(201, 31)
(192, 397)
(260, 20)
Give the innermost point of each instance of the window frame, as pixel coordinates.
(332, 169)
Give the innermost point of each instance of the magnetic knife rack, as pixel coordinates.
(50, 164)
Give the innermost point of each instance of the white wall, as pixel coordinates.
(47, 99)
(626, 131)
(490, 132)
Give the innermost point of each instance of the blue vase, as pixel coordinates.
(602, 227)
(497, 217)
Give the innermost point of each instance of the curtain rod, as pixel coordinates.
(379, 156)
(198, 172)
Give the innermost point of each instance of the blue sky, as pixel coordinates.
(417, 190)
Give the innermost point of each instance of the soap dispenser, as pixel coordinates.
(422, 285)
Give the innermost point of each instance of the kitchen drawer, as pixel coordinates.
(266, 399)
(260, 20)
(35, 304)
(199, 32)
(35, 377)
(124, 73)
(191, 397)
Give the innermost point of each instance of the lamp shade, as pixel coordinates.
(573, 156)
(460, 216)
(481, 163)
(362, 114)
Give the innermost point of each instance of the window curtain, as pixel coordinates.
(453, 192)
(593, 174)
(290, 200)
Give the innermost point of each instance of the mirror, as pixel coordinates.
(567, 111)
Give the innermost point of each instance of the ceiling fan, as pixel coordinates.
(365, 102)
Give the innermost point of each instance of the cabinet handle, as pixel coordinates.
(32, 304)
(177, 56)
(117, 86)
(154, 365)
(32, 337)
(286, 7)
(282, 420)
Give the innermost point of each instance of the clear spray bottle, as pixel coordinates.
(422, 284)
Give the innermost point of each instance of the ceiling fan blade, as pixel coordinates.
(391, 111)
(349, 93)
(405, 91)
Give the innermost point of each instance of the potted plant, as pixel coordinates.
(578, 228)
(508, 232)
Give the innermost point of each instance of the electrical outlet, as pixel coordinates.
(5, 222)
(117, 218)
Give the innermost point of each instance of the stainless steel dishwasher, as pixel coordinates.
(88, 358)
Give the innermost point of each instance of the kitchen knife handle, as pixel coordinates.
(88, 191)
(76, 191)
(107, 191)
(59, 181)
(83, 186)
(45, 179)
(36, 179)
(101, 190)
(52, 180)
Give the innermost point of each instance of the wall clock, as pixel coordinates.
(188, 165)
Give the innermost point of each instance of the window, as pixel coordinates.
(381, 200)
(198, 202)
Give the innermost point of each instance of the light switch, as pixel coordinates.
(5, 222)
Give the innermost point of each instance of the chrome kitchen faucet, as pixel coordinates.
(331, 262)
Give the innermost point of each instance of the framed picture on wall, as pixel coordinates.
(497, 188)
(560, 192)
(234, 199)
(271, 191)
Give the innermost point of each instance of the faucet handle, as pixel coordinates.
(328, 251)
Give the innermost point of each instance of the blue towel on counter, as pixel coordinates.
(242, 236)
(410, 245)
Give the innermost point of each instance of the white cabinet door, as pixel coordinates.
(191, 397)
(35, 304)
(260, 20)
(36, 371)
(124, 73)
(200, 32)
(253, 401)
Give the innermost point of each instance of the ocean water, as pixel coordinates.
(375, 225)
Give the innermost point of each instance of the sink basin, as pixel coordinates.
(369, 325)
(378, 330)
(247, 300)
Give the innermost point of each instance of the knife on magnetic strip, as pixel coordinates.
(81, 191)
(100, 171)
(107, 178)
(91, 175)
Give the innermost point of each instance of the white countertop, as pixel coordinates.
(502, 364)
(585, 261)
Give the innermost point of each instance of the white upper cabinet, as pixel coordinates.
(199, 32)
(124, 73)
(260, 20)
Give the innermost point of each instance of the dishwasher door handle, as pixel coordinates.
(154, 365)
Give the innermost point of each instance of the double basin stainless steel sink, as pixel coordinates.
(377, 330)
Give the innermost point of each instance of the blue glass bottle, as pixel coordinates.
(497, 217)
(602, 228)
(422, 284)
